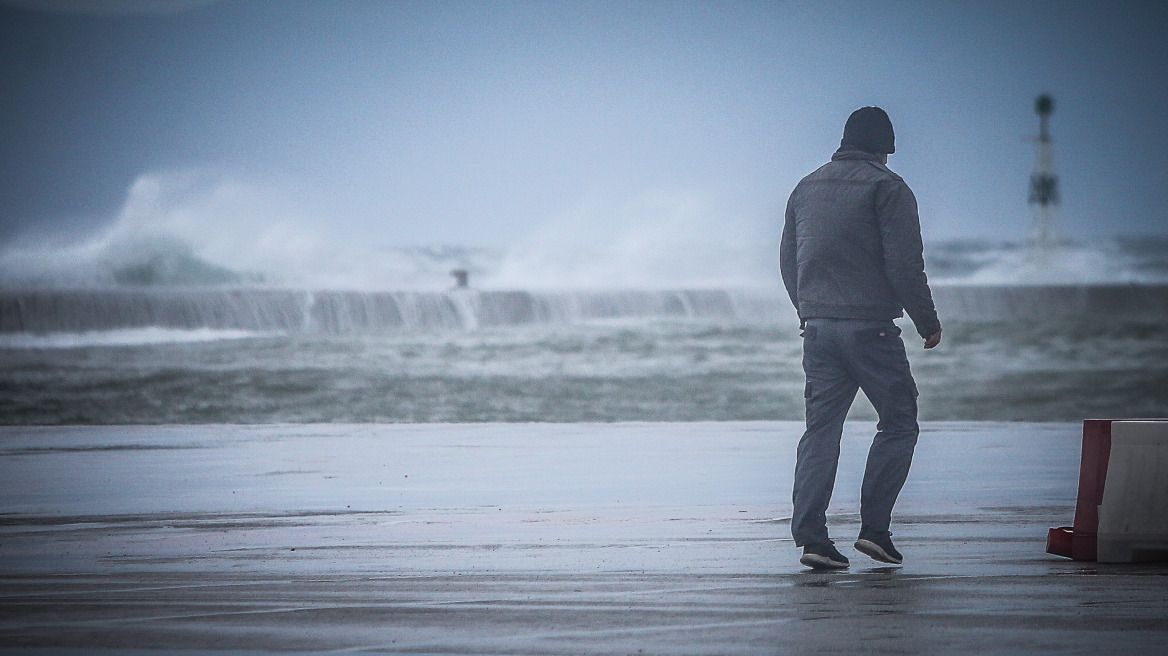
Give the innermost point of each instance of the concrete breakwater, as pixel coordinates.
(343, 312)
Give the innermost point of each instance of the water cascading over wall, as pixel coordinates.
(351, 312)
(345, 312)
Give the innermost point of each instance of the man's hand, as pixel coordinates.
(933, 339)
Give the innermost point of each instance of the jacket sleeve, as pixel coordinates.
(788, 256)
(904, 260)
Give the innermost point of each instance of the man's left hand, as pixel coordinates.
(933, 339)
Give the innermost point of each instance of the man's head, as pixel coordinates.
(869, 129)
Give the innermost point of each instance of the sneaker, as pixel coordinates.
(878, 546)
(823, 555)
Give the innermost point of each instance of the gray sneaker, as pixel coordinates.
(823, 555)
(878, 546)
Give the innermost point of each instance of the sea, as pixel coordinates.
(162, 335)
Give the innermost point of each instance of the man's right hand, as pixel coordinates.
(933, 339)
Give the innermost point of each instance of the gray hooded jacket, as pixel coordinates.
(851, 246)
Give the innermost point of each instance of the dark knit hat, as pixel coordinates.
(869, 129)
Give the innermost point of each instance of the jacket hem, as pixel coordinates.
(849, 312)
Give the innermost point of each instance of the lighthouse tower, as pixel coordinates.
(1044, 195)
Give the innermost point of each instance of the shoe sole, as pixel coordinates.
(873, 551)
(821, 562)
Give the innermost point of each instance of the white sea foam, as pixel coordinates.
(1103, 261)
(660, 240)
(122, 337)
(194, 228)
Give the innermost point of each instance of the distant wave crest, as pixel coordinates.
(195, 230)
(1117, 260)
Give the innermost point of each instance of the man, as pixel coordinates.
(852, 261)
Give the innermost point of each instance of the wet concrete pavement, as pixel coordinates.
(540, 539)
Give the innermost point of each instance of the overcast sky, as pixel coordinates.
(481, 123)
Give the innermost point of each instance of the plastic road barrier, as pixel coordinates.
(1122, 511)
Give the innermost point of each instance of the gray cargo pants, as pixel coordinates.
(841, 356)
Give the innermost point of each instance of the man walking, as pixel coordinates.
(852, 261)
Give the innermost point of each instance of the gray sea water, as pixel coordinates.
(148, 349)
(644, 369)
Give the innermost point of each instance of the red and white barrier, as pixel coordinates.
(1122, 511)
